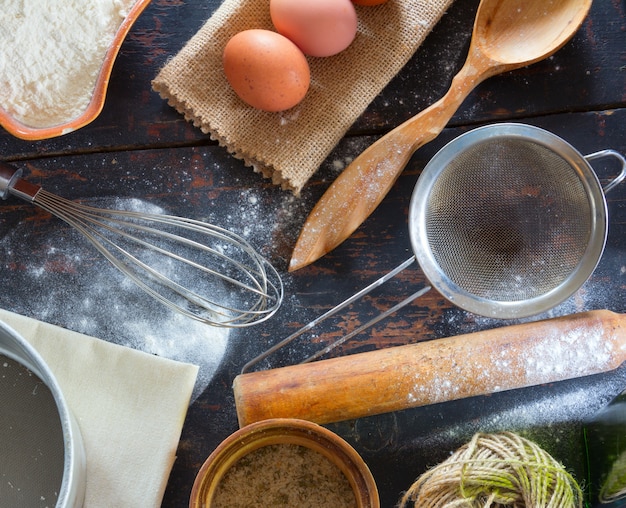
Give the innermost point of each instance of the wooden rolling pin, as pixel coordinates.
(434, 371)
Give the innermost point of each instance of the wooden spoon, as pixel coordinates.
(507, 34)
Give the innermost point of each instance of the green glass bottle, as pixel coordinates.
(605, 447)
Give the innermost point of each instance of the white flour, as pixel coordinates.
(52, 51)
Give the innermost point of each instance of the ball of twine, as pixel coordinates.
(496, 470)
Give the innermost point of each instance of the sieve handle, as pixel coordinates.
(610, 153)
(336, 309)
(434, 371)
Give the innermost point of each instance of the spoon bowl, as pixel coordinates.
(507, 34)
(523, 32)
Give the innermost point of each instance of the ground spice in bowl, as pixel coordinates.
(284, 463)
(284, 475)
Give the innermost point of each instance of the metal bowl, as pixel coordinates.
(43, 455)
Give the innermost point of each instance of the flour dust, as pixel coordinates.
(67, 283)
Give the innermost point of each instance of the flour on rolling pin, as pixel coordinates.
(434, 371)
(561, 354)
(52, 52)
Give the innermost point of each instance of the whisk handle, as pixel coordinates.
(12, 183)
(434, 371)
(8, 176)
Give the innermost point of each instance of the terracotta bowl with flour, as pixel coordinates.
(60, 86)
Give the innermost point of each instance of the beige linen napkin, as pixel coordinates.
(289, 147)
(130, 407)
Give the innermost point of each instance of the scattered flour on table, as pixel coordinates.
(77, 289)
(61, 46)
(253, 215)
(541, 415)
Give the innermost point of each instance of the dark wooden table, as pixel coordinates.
(139, 147)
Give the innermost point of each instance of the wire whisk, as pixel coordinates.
(203, 271)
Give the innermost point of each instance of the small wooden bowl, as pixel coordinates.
(22, 131)
(284, 431)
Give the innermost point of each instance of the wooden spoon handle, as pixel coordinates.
(360, 188)
(435, 371)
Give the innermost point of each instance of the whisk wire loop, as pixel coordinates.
(241, 287)
(183, 241)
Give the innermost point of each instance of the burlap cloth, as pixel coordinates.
(289, 147)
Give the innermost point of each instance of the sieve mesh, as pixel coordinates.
(508, 220)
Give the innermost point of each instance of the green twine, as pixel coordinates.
(496, 471)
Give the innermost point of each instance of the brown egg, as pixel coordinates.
(369, 2)
(266, 70)
(319, 28)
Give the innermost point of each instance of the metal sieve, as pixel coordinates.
(506, 221)
(509, 220)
